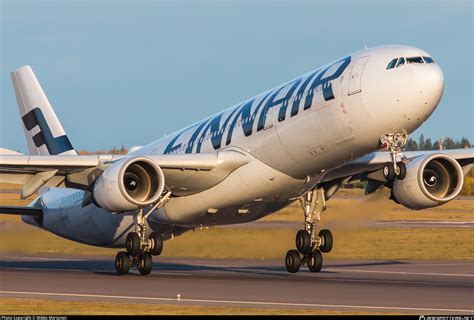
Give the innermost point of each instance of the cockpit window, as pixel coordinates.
(392, 63)
(397, 62)
(414, 60)
(428, 60)
(400, 62)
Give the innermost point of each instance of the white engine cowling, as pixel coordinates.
(430, 181)
(129, 184)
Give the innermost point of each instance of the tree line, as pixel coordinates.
(440, 144)
(114, 150)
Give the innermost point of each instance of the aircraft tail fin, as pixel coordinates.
(43, 131)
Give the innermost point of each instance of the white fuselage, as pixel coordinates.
(295, 133)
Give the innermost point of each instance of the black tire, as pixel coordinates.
(122, 263)
(145, 263)
(315, 262)
(327, 240)
(156, 243)
(303, 241)
(293, 261)
(388, 171)
(402, 170)
(133, 244)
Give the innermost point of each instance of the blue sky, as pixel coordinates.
(127, 72)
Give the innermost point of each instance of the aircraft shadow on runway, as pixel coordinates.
(107, 267)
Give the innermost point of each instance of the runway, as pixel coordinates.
(415, 287)
(370, 224)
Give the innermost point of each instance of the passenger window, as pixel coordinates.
(400, 62)
(414, 60)
(392, 63)
(428, 60)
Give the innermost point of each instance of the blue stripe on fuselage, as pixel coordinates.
(212, 126)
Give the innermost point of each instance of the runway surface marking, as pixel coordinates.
(401, 272)
(275, 273)
(240, 302)
(359, 270)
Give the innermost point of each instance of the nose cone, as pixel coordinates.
(402, 98)
(420, 94)
(431, 82)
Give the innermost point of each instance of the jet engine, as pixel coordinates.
(129, 184)
(430, 181)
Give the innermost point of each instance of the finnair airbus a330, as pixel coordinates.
(299, 141)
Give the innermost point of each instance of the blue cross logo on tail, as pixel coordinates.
(55, 145)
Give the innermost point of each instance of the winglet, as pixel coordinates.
(43, 131)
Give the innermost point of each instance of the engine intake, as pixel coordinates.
(430, 181)
(129, 184)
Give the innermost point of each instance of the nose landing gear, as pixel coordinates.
(309, 243)
(394, 142)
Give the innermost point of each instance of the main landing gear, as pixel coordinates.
(139, 249)
(309, 243)
(394, 142)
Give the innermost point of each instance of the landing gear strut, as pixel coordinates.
(394, 142)
(140, 248)
(309, 243)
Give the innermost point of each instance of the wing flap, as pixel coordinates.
(201, 161)
(42, 163)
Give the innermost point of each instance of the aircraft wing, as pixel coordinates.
(364, 168)
(184, 173)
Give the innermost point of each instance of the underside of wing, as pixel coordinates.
(372, 162)
(428, 178)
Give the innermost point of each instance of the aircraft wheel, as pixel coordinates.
(133, 244)
(303, 241)
(315, 262)
(122, 263)
(402, 170)
(145, 263)
(156, 244)
(293, 261)
(388, 171)
(327, 242)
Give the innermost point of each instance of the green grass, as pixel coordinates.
(14, 306)
(264, 244)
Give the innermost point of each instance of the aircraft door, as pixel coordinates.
(355, 76)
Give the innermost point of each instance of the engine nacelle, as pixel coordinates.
(129, 184)
(430, 181)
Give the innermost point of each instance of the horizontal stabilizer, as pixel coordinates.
(24, 211)
(6, 151)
